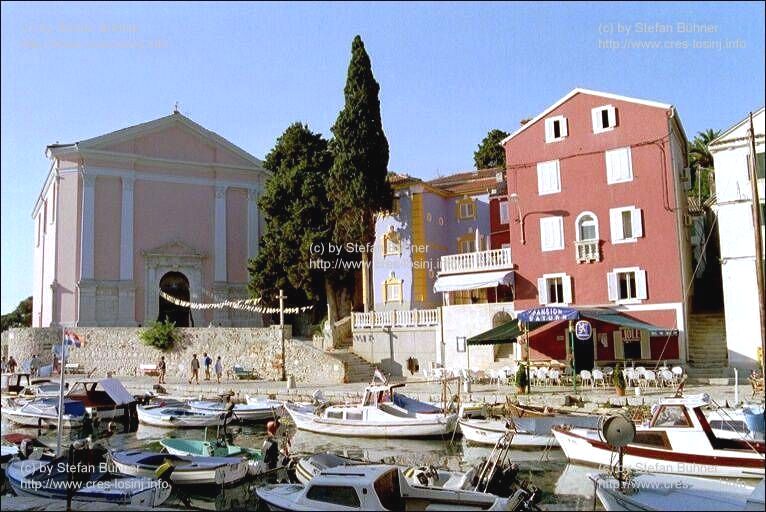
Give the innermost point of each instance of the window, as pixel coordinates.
(626, 224)
(619, 167)
(548, 177)
(504, 217)
(760, 163)
(392, 289)
(552, 233)
(671, 416)
(555, 128)
(335, 494)
(626, 285)
(555, 289)
(604, 118)
(466, 209)
(37, 243)
(53, 203)
(395, 206)
(587, 227)
(391, 243)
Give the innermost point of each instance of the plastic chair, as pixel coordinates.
(586, 378)
(598, 377)
(678, 374)
(650, 378)
(555, 377)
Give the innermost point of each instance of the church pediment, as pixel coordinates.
(174, 249)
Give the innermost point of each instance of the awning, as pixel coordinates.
(116, 391)
(472, 281)
(624, 321)
(506, 333)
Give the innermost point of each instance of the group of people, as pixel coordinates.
(194, 367)
(9, 365)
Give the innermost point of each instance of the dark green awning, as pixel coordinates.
(624, 321)
(506, 333)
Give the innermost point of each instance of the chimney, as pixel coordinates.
(525, 121)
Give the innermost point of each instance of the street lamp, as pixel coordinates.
(514, 198)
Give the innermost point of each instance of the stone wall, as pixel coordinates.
(119, 350)
(389, 349)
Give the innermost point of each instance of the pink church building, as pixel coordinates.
(165, 205)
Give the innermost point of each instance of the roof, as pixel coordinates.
(506, 333)
(579, 90)
(481, 181)
(723, 137)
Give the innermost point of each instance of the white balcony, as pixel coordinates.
(403, 318)
(495, 259)
(587, 252)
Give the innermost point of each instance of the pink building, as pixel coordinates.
(162, 205)
(598, 218)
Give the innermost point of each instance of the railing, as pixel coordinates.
(403, 318)
(587, 251)
(495, 259)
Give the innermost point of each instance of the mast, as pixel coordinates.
(62, 365)
(756, 208)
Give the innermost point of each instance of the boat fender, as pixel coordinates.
(164, 471)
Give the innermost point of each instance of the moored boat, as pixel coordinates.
(528, 431)
(43, 412)
(219, 448)
(105, 398)
(187, 470)
(177, 416)
(255, 410)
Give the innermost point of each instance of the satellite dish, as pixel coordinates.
(617, 431)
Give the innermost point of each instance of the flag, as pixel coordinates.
(379, 375)
(71, 338)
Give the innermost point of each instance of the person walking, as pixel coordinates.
(11, 365)
(208, 361)
(194, 369)
(218, 369)
(161, 368)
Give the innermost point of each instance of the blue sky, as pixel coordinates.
(448, 74)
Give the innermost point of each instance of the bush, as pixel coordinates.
(618, 379)
(160, 335)
(521, 378)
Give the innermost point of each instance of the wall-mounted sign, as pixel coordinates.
(583, 330)
(631, 335)
(461, 343)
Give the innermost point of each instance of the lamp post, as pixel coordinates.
(514, 198)
(282, 298)
(572, 353)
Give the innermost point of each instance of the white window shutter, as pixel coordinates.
(612, 116)
(646, 347)
(548, 130)
(564, 130)
(567, 285)
(615, 224)
(619, 348)
(641, 284)
(612, 286)
(542, 290)
(595, 119)
(556, 176)
(559, 234)
(610, 167)
(543, 235)
(636, 219)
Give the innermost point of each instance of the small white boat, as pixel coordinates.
(677, 440)
(488, 432)
(374, 487)
(188, 470)
(219, 448)
(44, 412)
(382, 413)
(652, 491)
(255, 410)
(177, 416)
(47, 479)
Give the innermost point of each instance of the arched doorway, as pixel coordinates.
(177, 285)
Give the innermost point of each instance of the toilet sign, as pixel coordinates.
(583, 330)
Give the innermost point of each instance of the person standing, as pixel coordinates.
(161, 368)
(11, 366)
(194, 369)
(208, 361)
(218, 369)
(34, 363)
(270, 449)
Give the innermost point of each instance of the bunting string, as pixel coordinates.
(251, 305)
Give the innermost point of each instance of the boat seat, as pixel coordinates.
(457, 482)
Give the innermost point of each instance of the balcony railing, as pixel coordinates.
(588, 251)
(403, 318)
(495, 259)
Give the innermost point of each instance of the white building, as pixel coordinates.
(731, 154)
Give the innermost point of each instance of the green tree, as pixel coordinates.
(358, 189)
(490, 153)
(296, 212)
(701, 163)
(19, 317)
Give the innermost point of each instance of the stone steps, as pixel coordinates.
(708, 353)
(357, 369)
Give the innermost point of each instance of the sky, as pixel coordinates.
(448, 74)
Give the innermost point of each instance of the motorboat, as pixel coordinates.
(104, 398)
(528, 430)
(255, 410)
(219, 448)
(651, 491)
(40, 389)
(49, 479)
(177, 416)
(678, 440)
(43, 412)
(383, 413)
(187, 470)
(12, 383)
(376, 487)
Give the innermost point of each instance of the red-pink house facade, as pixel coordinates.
(164, 205)
(597, 218)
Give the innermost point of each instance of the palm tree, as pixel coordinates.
(701, 161)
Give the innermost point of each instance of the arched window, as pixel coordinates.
(586, 227)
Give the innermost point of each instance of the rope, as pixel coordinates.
(242, 305)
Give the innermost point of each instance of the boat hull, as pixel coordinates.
(488, 433)
(221, 475)
(252, 411)
(154, 419)
(28, 420)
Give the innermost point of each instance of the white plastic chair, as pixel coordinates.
(631, 379)
(650, 378)
(555, 377)
(666, 377)
(586, 378)
(678, 374)
(427, 375)
(542, 376)
(598, 378)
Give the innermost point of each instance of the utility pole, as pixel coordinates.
(756, 206)
(282, 298)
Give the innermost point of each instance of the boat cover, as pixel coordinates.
(413, 405)
(116, 391)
